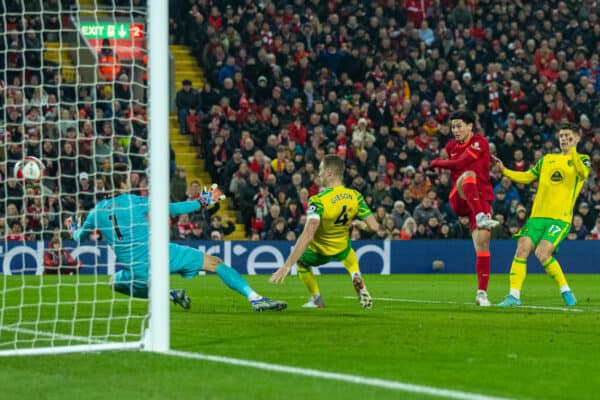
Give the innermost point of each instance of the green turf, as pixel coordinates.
(518, 353)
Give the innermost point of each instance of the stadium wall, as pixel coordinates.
(376, 257)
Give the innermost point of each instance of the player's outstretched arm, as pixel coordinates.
(518, 176)
(466, 158)
(184, 207)
(205, 198)
(307, 235)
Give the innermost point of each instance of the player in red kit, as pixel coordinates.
(469, 164)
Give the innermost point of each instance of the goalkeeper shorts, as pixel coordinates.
(183, 260)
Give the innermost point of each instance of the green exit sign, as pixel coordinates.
(105, 31)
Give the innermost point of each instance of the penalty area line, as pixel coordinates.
(356, 379)
(548, 308)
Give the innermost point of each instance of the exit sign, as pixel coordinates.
(108, 31)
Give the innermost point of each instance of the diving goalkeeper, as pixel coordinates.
(123, 222)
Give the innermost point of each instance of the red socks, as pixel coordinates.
(471, 192)
(482, 266)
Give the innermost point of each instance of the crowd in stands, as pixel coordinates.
(290, 81)
(374, 82)
(79, 128)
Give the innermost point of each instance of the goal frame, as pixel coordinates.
(156, 336)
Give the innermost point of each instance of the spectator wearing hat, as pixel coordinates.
(186, 98)
(263, 90)
(85, 193)
(390, 172)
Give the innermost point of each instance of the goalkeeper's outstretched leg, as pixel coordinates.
(235, 281)
(187, 262)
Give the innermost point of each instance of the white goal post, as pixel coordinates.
(51, 88)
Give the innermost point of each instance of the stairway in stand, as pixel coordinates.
(58, 53)
(186, 155)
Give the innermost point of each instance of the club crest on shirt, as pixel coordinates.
(475, 146)
(557, 176)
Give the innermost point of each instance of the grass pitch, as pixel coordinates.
(423, 329)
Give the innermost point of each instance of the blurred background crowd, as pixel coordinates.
(287, 82)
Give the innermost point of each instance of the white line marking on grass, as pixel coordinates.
(361, 380)
(467, 303)
(53, 335)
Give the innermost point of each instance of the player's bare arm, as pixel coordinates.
(498, 162)
(372, 223)
(307, 235)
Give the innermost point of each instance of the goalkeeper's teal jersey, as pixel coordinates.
(123, 223)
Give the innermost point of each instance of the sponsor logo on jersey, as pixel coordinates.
(557, 176)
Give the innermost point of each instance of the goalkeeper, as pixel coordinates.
(123, 222)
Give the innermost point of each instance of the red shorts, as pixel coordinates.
(462, 209)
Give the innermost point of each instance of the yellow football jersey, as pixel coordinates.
(559, 184)
(336, 207)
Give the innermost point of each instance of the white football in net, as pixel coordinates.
(31, 168)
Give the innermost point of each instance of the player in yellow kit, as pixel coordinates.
(326, 235)
(560, 178)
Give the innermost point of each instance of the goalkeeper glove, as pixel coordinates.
(72, 225)
(211, 195)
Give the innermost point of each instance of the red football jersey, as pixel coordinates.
(473, 155)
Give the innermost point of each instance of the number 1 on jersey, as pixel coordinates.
(113, 219)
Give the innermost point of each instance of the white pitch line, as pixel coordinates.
(53, 335)
(357, 379)
(566, 309)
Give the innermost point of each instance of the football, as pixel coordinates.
(31, 169)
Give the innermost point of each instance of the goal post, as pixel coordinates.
(58, 105)
(158, 12)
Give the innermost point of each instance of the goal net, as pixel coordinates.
(72, 93)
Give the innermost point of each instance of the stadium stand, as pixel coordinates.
(284, 82)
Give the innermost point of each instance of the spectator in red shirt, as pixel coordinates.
(297, 131)
(560, 110)
(58, 260)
